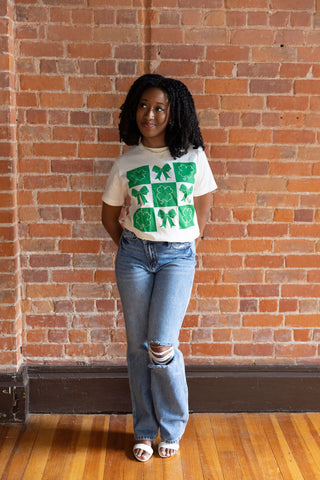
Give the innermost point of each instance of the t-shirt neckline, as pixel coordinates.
(155, 150)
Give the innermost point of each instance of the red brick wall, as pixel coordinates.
(254, 70)
(10, 312)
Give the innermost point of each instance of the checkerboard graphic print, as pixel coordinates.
(163, 196)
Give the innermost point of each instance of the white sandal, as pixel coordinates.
(171, 446)
(146, 448)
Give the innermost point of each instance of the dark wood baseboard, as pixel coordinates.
(79, 389)
(99, 389)
(14, 396)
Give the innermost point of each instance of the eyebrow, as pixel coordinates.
(146, 100)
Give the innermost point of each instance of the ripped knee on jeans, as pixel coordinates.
(160, 354)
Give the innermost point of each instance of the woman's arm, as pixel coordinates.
(202, 205)
(110, 221)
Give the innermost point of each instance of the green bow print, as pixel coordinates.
(186, 192)
(167, 217)
(140, 195)
(162, 171)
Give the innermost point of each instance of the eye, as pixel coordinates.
(160, 109)
(142, 105)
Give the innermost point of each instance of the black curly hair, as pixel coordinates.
(183, 128)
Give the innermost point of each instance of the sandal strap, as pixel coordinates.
(144, 447)
(172, 446)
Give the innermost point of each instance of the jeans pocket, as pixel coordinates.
(180, 245)
(187, 249)
(129, 236)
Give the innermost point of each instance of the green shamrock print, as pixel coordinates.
(185, 172)
(186, 214)
(164, 194)
(144, 220)
(138, 176)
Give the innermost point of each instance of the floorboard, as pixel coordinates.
(275, 446)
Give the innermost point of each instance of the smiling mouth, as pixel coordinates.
(148, 125)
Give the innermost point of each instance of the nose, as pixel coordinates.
(149, 113)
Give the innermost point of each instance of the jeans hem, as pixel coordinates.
(139, 439)
(171, 442)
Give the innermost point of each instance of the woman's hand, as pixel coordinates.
(110, 221)
(202, 205)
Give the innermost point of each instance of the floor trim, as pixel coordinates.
(101, 389)
(14, 396)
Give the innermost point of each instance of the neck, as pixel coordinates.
(149, 144)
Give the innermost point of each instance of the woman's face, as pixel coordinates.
(152, 117)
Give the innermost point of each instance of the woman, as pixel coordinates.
(168, 181)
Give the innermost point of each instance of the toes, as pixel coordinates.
(137, 452)
(141, 454)
(167, 452)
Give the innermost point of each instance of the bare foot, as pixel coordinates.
(141, 454)
(166, 451)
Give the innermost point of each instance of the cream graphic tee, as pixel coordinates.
(160, 191)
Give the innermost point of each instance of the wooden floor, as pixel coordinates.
(215, 447)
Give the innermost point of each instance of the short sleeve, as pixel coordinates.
(114, 193)
(205, 181)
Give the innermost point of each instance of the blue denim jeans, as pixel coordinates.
(155, 282)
